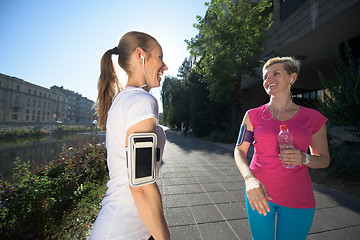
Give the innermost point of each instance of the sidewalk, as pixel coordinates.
(203, 196)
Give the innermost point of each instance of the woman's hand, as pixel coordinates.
(257, 195)
(319, 158)
(292, 156)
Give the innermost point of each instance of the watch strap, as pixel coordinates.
(307, 159)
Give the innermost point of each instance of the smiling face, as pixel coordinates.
(155, 66)
(276, 79)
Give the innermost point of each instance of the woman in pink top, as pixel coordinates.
(272, 189)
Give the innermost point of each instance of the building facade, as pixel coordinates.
(24, 102)
(79, 108)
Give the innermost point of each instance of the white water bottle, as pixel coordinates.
(285, 142)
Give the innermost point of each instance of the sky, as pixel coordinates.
(48, 42)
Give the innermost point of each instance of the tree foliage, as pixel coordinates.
(229, 40)
(186, 99)
(175, 102)
(342, 103)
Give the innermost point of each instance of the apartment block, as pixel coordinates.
(24, 102)
(79, 108)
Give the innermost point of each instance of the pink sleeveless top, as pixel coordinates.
(287, 187)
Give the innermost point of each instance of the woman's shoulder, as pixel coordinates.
(255, 114)
(315, 117)
(138, 96)
(311, 112)
(255, 111)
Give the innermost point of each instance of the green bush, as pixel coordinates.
(344, 161)
(22, 132)
(39, 204)
(342, 104)
(71, 129)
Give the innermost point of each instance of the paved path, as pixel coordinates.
(203, 196)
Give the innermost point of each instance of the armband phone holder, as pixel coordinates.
(245, 135)
(141, 155)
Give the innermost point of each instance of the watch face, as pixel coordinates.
(307, 157)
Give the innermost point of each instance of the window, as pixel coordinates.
(27, 117)
(312, 95)
(33, 112)
(32, 118)
(34, 103)
(14, 117)
(17, 88)
(38, 112)
(288, 7)
(29, 90)
(39, 103)
(318, 94)
(35, 92)
(27, 111)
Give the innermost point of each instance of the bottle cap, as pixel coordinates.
(283, 127)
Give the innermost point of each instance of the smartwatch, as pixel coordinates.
(307, 159)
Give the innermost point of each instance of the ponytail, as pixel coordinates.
(108, 86)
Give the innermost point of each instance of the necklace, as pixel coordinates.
(272, 112)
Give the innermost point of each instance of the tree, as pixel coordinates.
(185, 70)
(342, 103)
(168, 116)
(175, 102)
(206, 116)
(229, 40)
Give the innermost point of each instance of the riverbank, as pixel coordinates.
(59, 199)
(8, 131)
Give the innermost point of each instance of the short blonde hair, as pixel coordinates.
(290, 64)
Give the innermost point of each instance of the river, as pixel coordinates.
(39, 149)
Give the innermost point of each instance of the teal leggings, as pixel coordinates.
(291, 223)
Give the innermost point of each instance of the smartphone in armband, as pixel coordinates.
(141, 158)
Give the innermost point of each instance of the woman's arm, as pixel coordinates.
(147, 198)
(255, 190)
(319, 158)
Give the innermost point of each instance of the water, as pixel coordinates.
(284, 147)
(39, 149)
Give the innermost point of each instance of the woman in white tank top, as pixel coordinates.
(130, 212)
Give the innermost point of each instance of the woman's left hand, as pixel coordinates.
(292, 156)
